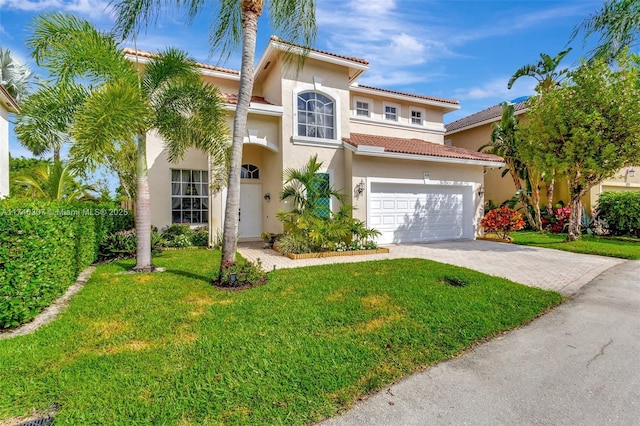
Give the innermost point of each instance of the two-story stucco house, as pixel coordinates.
(7, 105)
(473, 131)
(384, 149)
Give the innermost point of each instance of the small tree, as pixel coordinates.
(588, 129)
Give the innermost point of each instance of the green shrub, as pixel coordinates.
(200, 237)
(295, 244)
(241, 273)
(621, 212)
(178, 235)
(43, 247)
(122, 245)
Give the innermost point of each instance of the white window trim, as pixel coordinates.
(423, 116)
(369, 101)
(392, 105)
(309, 141)
(171, 195)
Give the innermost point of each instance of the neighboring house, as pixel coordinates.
(384, 149)
(474, 131)
(7, 105)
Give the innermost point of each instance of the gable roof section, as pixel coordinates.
(485, 116)
(384, 146)
(235, 75)
(322, 52)
(7, 100)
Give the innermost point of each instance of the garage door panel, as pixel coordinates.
(420, 212)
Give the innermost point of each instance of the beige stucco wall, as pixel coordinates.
(366, 167)
(160, 176)
(432, 130)
(4, 152)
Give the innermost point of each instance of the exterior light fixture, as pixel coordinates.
(267, 197)
(481, 191)
(359, 189)
(632, 172)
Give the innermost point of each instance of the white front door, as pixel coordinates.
(250, 224)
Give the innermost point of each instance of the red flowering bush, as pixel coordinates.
(558, 222)
(502, 221)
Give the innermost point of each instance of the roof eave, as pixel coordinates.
(8, 101)
(419, 157)
(482, 123)
(204, 71)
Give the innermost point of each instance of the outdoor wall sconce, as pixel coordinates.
(267, 197)
(481, 191)
(631, 172)
(359, 189)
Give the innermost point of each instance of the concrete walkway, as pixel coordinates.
(556, 270)
(577, 365)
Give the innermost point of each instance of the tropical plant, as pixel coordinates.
(122, 101)
(588, 129)
(621, 212)
(236, 23)
(54, 182)
(14, 75)
(617, 25)
(545, 72)
(502, 221)
(504, 142)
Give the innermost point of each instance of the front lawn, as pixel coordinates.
(602, 246)
(168, 348)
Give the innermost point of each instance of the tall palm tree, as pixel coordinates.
(14, 75)
(55, 182)
(124, 101)
(544, 71)
(236, 23)
(617, 24)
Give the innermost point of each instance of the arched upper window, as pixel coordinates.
(249, 171)
(316, 116)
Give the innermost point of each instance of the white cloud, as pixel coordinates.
(90, 8)
(497, 89)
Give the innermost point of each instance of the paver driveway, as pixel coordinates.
(550, 269)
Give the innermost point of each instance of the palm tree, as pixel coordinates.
(55, 182)
(124, 101)
(618, 25)
(545, 72)
(14, 75)
(504, 142)
(42, 125)
(236, 23)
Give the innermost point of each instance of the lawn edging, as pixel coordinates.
(51, 312)
(381, 250)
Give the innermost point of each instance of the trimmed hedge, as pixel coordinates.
(621, 210)
(43, 247)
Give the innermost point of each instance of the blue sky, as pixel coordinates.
(464, 50)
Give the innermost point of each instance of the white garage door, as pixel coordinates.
(406, 213)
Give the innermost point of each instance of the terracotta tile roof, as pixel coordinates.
(349, 58)
(232, 98)
(417, 147)
(484, 115)
(6, 98)
(144, 54)
(413, 95)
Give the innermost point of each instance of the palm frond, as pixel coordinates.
(225, 34)
(70, 47)
(114, 112)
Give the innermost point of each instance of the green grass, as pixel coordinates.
(602, 246)
(168, 348)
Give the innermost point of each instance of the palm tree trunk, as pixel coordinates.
(143, 211)
(251, 11)
(56, 155)
(523, 196)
